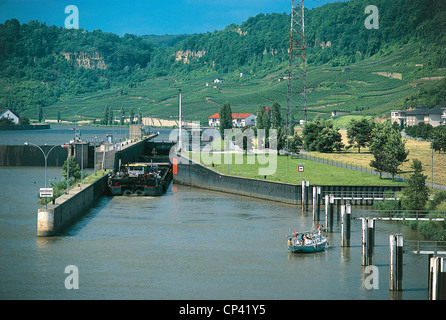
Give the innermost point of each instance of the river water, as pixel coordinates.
(188, 244)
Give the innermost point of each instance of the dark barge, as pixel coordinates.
(140, 179)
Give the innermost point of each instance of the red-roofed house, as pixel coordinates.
(239, 120)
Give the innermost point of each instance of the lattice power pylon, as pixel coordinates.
(296, 92)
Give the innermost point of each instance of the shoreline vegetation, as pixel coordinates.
(60, 186)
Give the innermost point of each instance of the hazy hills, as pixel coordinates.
(351, 69)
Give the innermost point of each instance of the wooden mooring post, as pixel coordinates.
(368, 240)
(305, 194)
(396, 242)
(346, 211)
(437, 278)
(316, 203)
(327, 203)
(329, 212)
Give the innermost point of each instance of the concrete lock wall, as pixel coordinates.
(130, 153)
(196, 175)
(67, 209)
(24, 156)
(52, 220)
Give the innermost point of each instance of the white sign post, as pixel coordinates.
(300, 169)
(46, 192)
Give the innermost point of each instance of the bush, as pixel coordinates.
(433, 230)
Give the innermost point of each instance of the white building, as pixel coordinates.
(443, 116)
(398, 116)
(432, 116)
(239, 120)
(6, 113)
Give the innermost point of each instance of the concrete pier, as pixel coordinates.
(437, 278)
(331, 214)
(368, 240)
(345, 225)
(52, 220)
(68, 208)
(396, 242)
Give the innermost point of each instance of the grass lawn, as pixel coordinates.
(317, 173)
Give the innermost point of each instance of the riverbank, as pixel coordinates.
(54, 218)
(194, 174)
(25, 127)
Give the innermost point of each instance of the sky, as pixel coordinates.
(143, 17)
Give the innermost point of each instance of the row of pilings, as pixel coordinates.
(437, 264)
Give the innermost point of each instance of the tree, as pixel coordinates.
(320, 135)
(416, 194)
(74, 170)
(311, 133)
(6, 122)
(24, 120)
(40, 113)
(106, 115)
(266, 124)
(132, 115)
(111, 119)
(247, 144)
(380, 134)
(259, 120)
(294, 144)
(388, 149)
(421, 130)
(396, 154)
(225, 118)
(329, 139)
(379, 162)
(276, 117)
(122, 117)
(439, 139)
(359, 133)
(139, 116)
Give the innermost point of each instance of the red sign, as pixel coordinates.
(300, 168)
(175, 166)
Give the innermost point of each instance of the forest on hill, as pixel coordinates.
(43, 65)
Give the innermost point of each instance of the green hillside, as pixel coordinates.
(351, 69)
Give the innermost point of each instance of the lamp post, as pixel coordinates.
(75, 120)
(68, 172)
(432, 147)
(82, 163)
(95, 141)
(180, 124)
(45, 155)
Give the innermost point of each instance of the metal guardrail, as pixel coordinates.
(424, 247)
(409, 215)
(364, 195)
